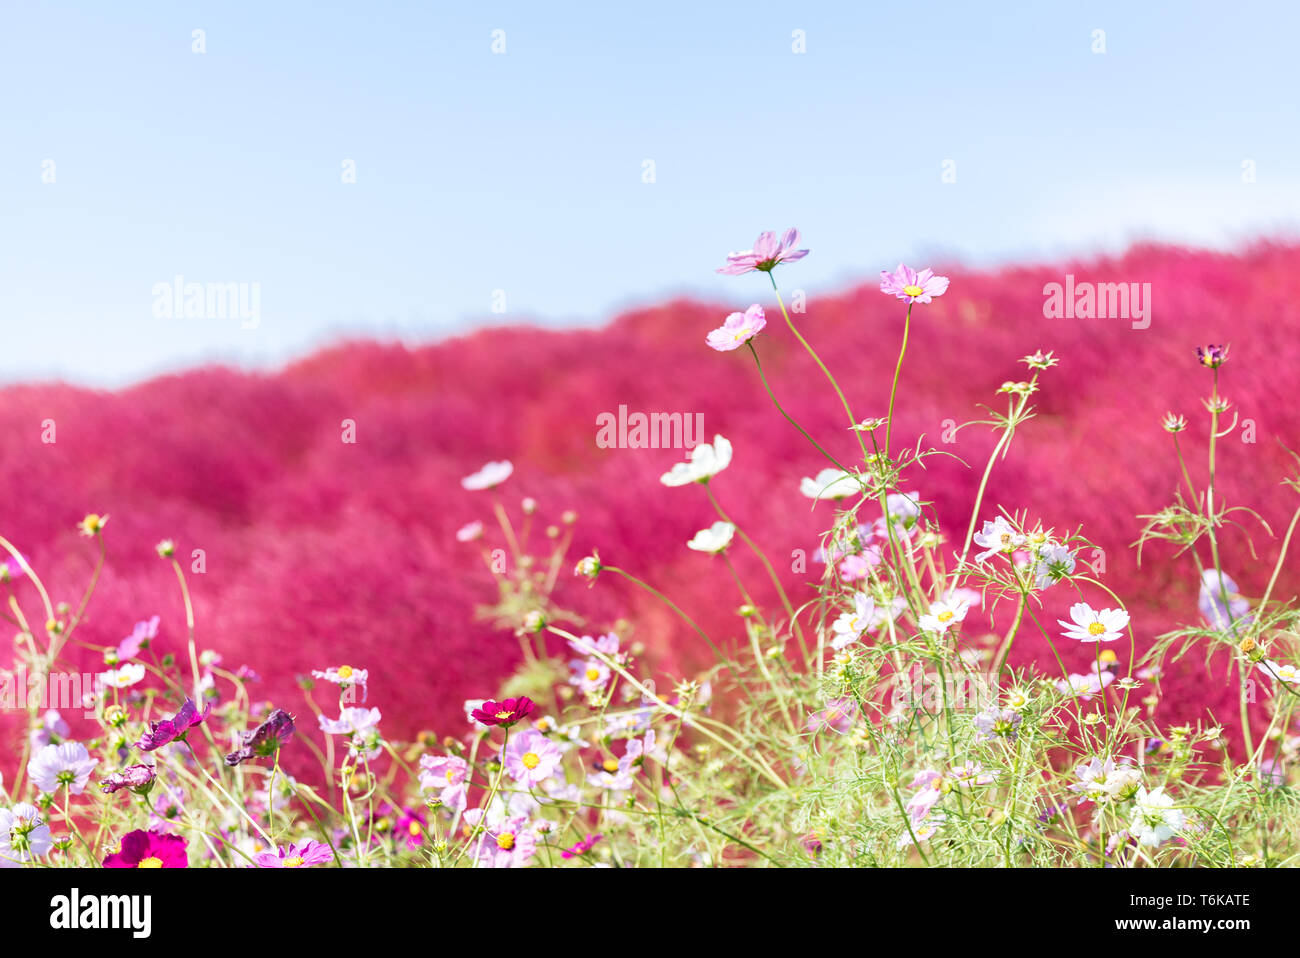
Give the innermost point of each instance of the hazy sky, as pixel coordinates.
(524, 171)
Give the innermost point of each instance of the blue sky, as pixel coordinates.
(522, 171)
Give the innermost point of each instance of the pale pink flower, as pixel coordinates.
(737, 329)
(906, 283)
(766, 254)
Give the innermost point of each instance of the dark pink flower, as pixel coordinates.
(766, 254)
(149, 849)
(582, 847)
(265, 740)
(170, 730)
(504, 713)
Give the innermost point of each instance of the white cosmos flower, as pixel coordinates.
(943, 615)
(713, 539)
(350, 721)
(1154, 820)
(23, 835)
(56, 766)
(125, 677)
(850, 626)
(492, 474)
(1286, 673)
(829, 484)
(705, 462)
(997, 536)
(1092, 625)
(470, 531)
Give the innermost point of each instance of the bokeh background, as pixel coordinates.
(476, 228)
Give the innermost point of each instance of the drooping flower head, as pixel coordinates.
(296, 855)
(906, 283)
(737, 329)
(151, 849)
(504, 713)
(714, 539)
(175, 728)
(704, 461)
(768, 251)
(265, 740)
(138, 778)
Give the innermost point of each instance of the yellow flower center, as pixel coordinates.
(506, 841)
(150, 863)
(913, 290)
(295, 862)
(414, 828)
(345, 671)
(592, 674)
(502, 716)
(610, 765)
(451, 773)
(945, 616)
(531, 760)
(1096, 628)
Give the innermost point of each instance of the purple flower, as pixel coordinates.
(767, 252)
(297, 855)
(997, 723)
(531, 758)
(1212, 356)
(906, 283)
(265, 740)
(737, 329)
(173, 729)
(138, 778)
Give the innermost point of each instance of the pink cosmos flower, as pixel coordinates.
(173, 729)
(410, 828)
(140, 637)
(906, 283)
(737, 329)
(837, 715)
(765, 255)
(531, 758)
(582, 847)
(508, 845)
(149, 849)
(296, 855)
(930, 784)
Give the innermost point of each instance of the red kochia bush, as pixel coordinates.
(319, 552)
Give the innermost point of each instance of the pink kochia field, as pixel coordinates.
(947, 578)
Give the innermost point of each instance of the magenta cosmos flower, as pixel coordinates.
(737, 329)
(906, 283)
(767, 252)
(504, 713)
(297, 855)
(149, 849)
(173, 729)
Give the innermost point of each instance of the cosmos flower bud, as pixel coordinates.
(588, 567)
(1172, 423)
(166, 548)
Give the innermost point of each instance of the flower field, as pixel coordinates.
(945, 579)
